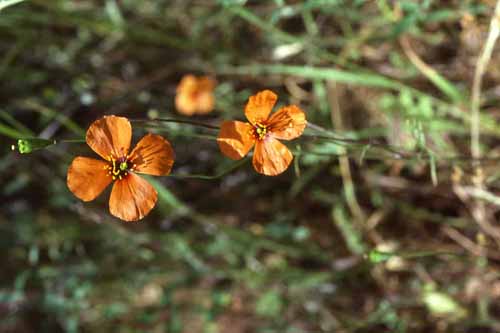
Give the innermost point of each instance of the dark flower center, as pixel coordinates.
(118, 168)
(260, 131)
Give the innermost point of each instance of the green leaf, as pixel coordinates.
(351, 234)
(376, 257)
(269, 304)
(168, 202)
(10, 132)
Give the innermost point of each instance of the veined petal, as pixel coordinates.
(287, 123)
(271, 157)
(110, 135)
(259, 106)
(87, 177)
(132, 198)
(153, 155)
(235, 139)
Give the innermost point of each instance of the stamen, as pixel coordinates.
(260, 131)
(118, 167)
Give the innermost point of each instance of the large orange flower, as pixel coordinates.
(270, 157)
(195, 95)
(132, 197)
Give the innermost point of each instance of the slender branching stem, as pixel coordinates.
(178, 121)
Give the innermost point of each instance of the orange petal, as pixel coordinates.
(187, 84)
(87, 178)
(153, 155)
(206, 83)
(235, 139)
(195, 95)
(185, 104)
(271, 157)
(205, 102)
(110, 135)
(259, 106)
(287, 123)
(132, 198)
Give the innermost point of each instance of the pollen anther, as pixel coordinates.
(260, 131)
(118, 168)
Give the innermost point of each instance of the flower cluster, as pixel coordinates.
(132, 197)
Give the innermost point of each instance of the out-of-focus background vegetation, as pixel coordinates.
(384, 233)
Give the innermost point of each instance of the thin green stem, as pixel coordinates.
(178, 121)
(481, 66)
(396, 152)
(376, 256)
(399, 152)
(70, 141)
(212, 177)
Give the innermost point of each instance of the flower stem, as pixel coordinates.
(212, 177)
(70, 141)
(179, 121)
(481, 66)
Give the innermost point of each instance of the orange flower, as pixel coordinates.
(270, 157)
(195, 95)
(132, 197)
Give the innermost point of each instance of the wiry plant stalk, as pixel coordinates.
(481, 66)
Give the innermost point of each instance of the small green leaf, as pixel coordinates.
(376, 257)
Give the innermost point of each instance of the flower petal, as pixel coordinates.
(187, 84)
(259, 106)
(205, 102)
(195, 95)
(153, 155)
(110, 135)
(235, 139)
(132, 198)
(271, 157)
(185, 104)
(206, 83)
(87, 177)
(287, 123)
